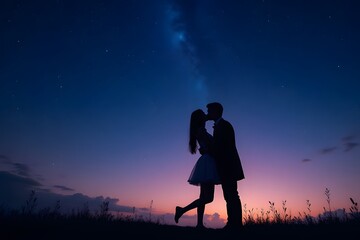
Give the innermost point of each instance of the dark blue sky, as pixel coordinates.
(95, 96)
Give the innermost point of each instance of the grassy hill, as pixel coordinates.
(36, 226)
(27, 223)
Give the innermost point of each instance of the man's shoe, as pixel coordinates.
(233, 227)
(200, 227)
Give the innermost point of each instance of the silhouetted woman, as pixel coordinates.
(204, 173)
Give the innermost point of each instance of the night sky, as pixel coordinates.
(96, 97)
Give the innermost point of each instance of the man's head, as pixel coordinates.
(214, 111)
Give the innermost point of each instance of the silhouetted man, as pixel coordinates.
(228, 163)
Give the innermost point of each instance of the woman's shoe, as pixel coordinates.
(177, 213)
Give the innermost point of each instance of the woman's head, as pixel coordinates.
(197, 120)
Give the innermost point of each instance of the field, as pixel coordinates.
(29, 223)
(97, 228)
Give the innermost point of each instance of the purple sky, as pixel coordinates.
(96, 97)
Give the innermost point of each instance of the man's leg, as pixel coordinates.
(233, 203)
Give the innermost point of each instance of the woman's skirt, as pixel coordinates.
(204, 171)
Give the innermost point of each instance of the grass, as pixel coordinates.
(275, 216)
(50, 223)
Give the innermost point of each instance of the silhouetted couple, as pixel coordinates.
(219, 163)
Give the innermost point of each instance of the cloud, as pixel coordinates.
(16, 187)
(22, 169)
(210, 220)
(15, 190)
(328, 150)
(4, 158)
(63, 188)
(10, 180)
(16, 167)
(348, 138)
(305, 160)
(349, 146)
(348, 143)
(339, 213)
(214, 220)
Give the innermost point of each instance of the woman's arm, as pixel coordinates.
(204, 140)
